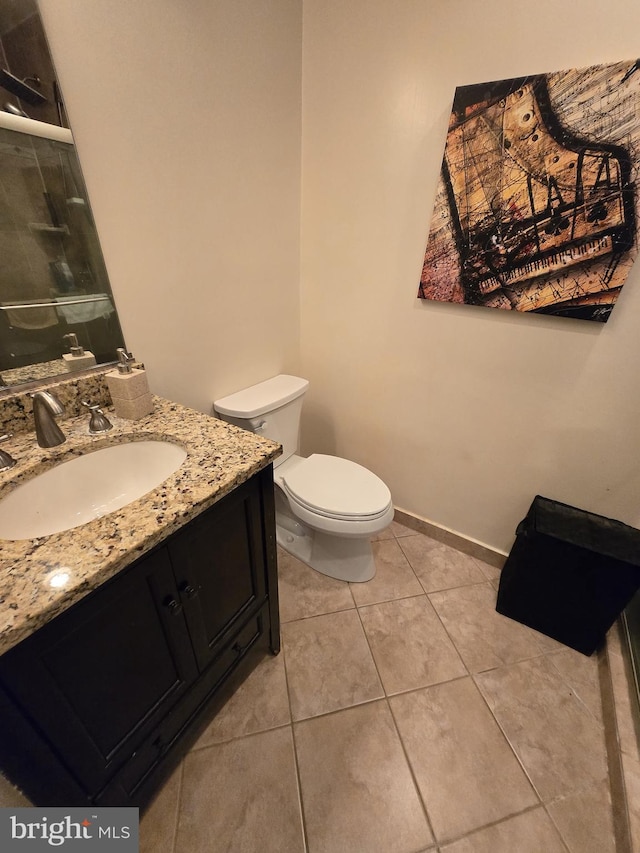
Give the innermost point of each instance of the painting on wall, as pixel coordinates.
(536, 205)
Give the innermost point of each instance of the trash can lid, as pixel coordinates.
(596, 533)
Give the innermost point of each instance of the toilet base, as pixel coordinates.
(346, 559)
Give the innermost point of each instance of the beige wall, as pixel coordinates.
(466, 413)
(187, 122)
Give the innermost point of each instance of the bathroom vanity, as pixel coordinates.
(120, 638)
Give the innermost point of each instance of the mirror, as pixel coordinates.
(53, 280)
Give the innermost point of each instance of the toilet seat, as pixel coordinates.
(336, 488)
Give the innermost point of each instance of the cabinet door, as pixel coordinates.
(219, 563)
(101, 675)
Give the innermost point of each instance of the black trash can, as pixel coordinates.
(570, 573)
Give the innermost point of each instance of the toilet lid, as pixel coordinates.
(338, 488)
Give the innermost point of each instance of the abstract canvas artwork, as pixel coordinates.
(536, 205)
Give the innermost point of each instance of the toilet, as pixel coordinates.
(327, 508)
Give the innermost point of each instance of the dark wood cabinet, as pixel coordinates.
(219, 586)
(110, 690)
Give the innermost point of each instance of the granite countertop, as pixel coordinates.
(219, 458)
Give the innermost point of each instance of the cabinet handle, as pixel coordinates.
(174, 606)
(239, 649)
(188, 590)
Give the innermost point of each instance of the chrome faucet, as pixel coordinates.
(45, 406)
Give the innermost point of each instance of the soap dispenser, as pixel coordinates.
(79, 358)
(129, 388)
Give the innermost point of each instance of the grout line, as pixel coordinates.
(315, 615)
(539, 655)
(178, 809)
(506, 737)
(395, 725)
(449, 637)
(195, 749)
(305, 839)
(402, 597)
(556, 827)
(505, 819)
(445, 588)
(480, 563)
(620, 809)
(303, 820)
(377, 699)
(422, 799)
(339, 710)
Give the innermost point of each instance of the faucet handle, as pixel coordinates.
(6, 460)
(99, 421)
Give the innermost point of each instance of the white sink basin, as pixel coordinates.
(87, 487)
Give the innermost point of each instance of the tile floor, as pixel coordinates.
(627, 721)
(403, 715)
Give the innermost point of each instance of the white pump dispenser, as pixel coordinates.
(79, 358)
(129, 388)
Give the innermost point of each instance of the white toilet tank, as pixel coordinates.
(271, 408)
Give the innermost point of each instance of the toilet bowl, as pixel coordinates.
(327, 508)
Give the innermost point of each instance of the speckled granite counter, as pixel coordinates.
(34, 372)
(220, 457)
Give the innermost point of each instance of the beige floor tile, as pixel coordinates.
(11, 797)
(239, 791)
(394, 577)
(304, 592)
(159, 822)
(623, 685)
(329, 665)
(585, 820)
(491, 573)
(531, 832)
(484, 638)
(559, 743)
(241, 797)
(581, 674)
(357, 790)
(466, 772)
(548, 644)
(631, 770)
(410, 647)
(387, 533)
(438, 566)
(261, 702)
